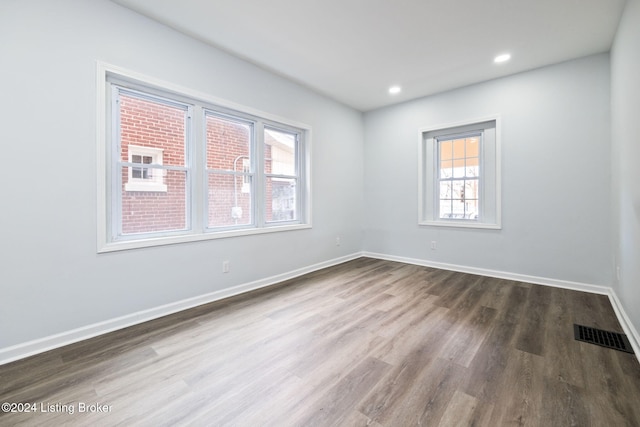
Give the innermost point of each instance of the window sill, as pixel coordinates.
(123, 245)
(461, 224)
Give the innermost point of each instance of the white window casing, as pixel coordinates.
(488, 215)
(147, 171)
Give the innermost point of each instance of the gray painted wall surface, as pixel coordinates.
(555, 175)
(52, 280)
(625, 107)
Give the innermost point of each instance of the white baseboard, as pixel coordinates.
(20, 351)
(625, 322)
(565, 284)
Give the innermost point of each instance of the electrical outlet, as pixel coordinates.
(434, 245)
(337, 241)
(226, 266)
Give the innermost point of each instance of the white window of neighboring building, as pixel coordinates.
(460, 175)
(145, 177)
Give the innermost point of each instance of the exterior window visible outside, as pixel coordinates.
(179, 169)
(144, 178)
(460, 175)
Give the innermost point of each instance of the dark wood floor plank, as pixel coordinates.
(531, 332)
(364, 343)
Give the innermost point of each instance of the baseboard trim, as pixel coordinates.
(30, 348)
(565, 284)
(625, 322)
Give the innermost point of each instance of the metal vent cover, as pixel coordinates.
(602, 338)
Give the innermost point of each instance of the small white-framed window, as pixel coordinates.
(460, 174)
(145, 177)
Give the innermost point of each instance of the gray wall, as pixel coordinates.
(625, 109)
(51, 279)
(555, 175)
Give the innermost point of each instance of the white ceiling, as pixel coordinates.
(353, 50)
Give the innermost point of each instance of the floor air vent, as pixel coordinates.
(607, 339)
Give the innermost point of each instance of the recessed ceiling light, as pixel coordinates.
(393, 90)
(502, 58)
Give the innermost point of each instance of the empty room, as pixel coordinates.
(320, 213)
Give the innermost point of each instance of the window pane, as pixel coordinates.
(229, 200)
(471, 209)
(153, 211)
(458, 168)
(445, 190)
(472, 171)
(153, 124)
(471, 189)
(472, 147)
(228, 143)
(458, 189)
(446, 150)
(279, 152)
(280, 203)
(457, 208)
(458, 149)
(446, 169)
(445, 209)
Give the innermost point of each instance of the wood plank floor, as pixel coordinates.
(368, 342)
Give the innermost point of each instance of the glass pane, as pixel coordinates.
(279, 152)
(458, 149)
(446, 150)
(472, 147)
(446, 169)
(154, 206)
(471, 189)
(229, 200)
(458, 190)
(445, 190)
(152, 124)
(472, 171)
(457, 208)
(228, 143)
(471, 209)
(445, 209)
(280, 203)
(458, 168)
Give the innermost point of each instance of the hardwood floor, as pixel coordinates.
(367, 342)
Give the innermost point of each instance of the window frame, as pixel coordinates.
(489, 180)
(197, 188)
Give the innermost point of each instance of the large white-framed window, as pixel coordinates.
(459, 182)
(176, 165)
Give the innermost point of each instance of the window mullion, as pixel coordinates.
(194, 155)
(259, 193)
(116, 171)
